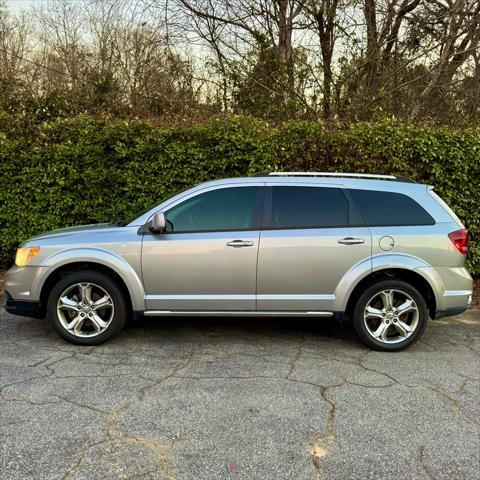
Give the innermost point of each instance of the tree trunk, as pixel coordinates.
(284, 47)
(372, 47)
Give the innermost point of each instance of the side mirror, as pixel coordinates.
(157, 223)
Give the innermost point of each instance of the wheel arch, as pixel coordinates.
(409, 276)
(397, 266)
(101, 261)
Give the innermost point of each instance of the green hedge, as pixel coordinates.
(85, 170)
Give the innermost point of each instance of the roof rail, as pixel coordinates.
(397, 178)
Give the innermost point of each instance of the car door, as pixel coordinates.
(206, 258)
(311, 236)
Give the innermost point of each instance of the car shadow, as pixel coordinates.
(235, 327)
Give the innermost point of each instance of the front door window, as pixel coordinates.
(226, 209)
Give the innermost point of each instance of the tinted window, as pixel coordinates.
(388, 208)
(308, 207)
(223, 209)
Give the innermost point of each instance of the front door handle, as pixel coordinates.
(240, 243)
(351, 241)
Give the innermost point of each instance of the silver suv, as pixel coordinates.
(383, 250)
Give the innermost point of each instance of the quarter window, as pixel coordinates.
(216, 210)
(308, 207)
(389, 209)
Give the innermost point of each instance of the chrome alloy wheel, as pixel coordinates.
(85, 309)
(391, 316)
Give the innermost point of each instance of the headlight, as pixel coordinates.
(25, 255)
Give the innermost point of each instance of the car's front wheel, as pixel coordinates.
(390, 315)
(87, 308)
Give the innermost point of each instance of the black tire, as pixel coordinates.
(98, 279)
(362, 303)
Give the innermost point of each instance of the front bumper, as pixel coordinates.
(23, 282)
(23, 307)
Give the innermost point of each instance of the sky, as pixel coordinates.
(17, 5)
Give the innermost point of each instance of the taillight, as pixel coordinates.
(460, 239)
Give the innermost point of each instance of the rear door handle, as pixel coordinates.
(351, 241)
(240, 243)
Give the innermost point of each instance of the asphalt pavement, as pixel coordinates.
(239, 398)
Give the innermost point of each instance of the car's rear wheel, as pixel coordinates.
(390, 315)
(87, 308)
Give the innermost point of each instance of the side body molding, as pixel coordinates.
(383, 262)
(95, 255)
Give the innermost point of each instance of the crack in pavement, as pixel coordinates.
(35, 377)
(297, 357)
(113, 433)
(319, 448)
(83, 405)
(438, 390)
(424, 463)
(321, 445)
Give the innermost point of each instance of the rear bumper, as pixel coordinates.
(448, 312)
(23, 308)
(452, 287)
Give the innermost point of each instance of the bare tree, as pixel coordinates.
(325, 22)
(60, 33)
(383, 22)
(346, 59)
(15, 73)
(233, 28)
(457, 38)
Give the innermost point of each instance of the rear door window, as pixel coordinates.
(389, 209)
(307, 207)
